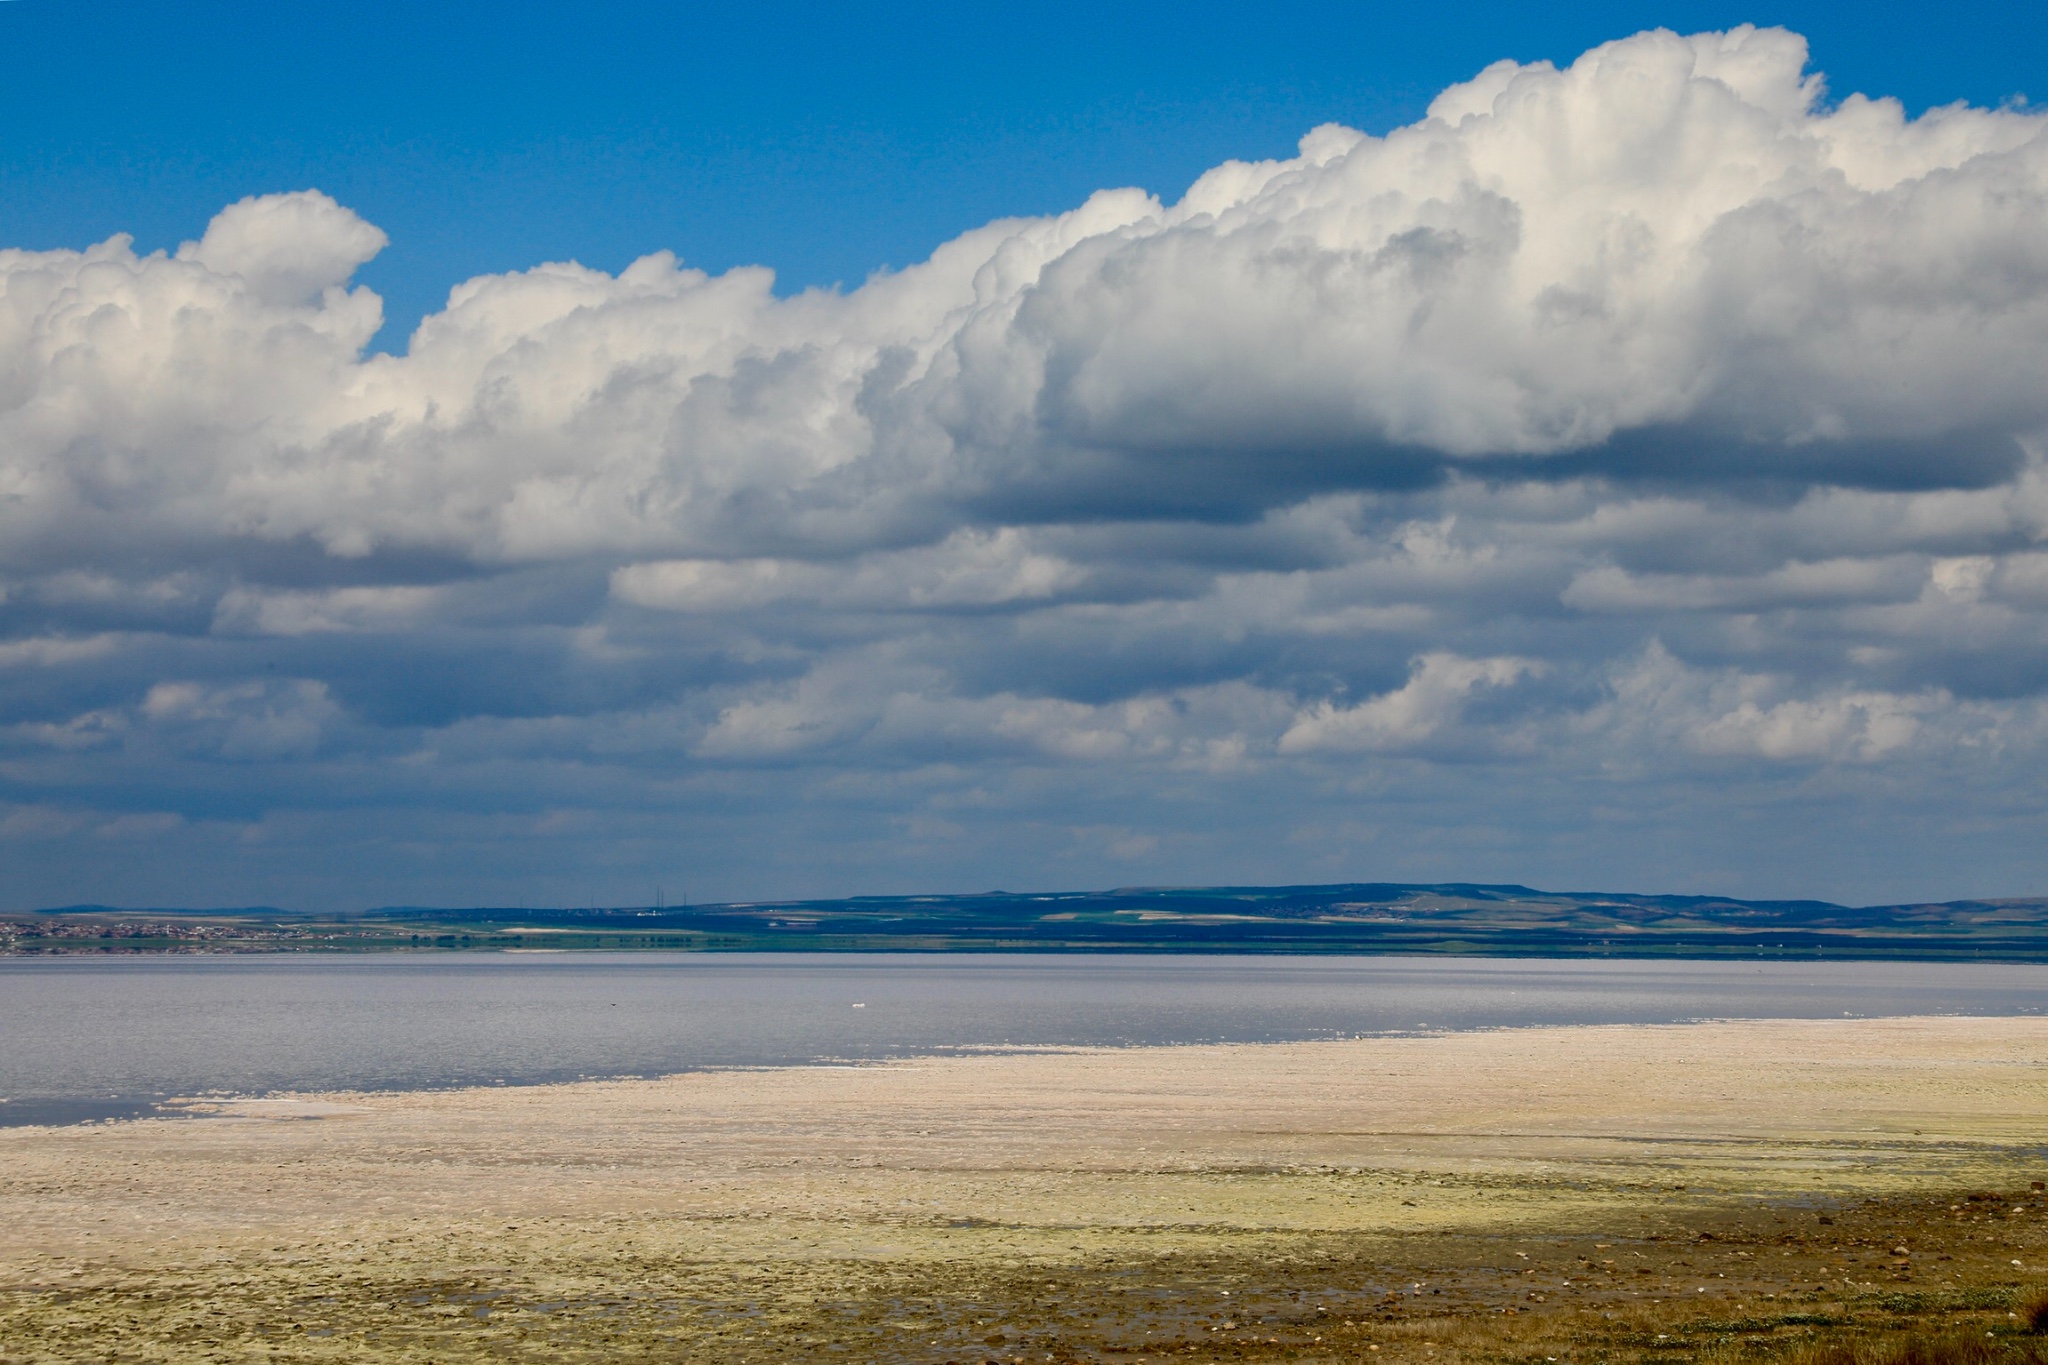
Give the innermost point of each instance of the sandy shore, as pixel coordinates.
(733, 1214)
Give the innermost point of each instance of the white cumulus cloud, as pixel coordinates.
(1662, 426)
(1432, 698)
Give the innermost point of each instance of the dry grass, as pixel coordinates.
(2032, 1308)
(1948, 1348)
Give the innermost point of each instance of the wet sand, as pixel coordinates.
(1380, 1198)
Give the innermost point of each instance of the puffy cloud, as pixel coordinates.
(1654, 428)
(1433, 697)
(286, 248)
(971, 568)
(48, 650)
(1862, 725)
(274, 612)
(1733, 713)
(1671, 256)
(246, 721)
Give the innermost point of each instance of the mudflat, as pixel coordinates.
(1724, 1190)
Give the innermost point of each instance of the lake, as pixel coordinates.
(84, 1039)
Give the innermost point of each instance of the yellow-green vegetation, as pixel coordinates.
(1659, 1283)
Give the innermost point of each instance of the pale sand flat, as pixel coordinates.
(1046, 1152)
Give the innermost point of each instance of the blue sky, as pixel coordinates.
(823, 141)
(1283, 446)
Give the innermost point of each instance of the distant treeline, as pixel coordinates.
(1360, 917)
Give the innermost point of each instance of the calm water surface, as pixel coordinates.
(82, 1039)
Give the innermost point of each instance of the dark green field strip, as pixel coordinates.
(1451, 918)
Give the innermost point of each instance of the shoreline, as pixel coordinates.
(173, 1106)
(1453, 951)
(89, 1038)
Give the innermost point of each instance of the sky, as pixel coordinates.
(519, 455)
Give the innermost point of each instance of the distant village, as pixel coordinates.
(69, 935)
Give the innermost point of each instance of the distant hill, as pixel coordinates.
(265, 911)
(1358, 917)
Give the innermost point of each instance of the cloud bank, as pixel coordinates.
(1632, 472)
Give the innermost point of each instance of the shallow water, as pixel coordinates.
(82, 1039)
